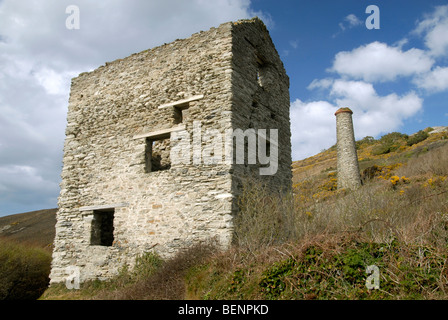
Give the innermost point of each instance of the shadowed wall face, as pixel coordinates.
(348, 167)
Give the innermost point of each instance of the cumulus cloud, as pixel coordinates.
(355, 74)
(434, 28)
(375, 114)
(313, 122)
(434, 81)
(380, 62)
(313, 127)
(39, 56)
(109, 30)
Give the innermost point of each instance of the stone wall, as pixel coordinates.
(121, 126)
(261, 99)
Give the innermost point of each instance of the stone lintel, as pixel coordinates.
(160, 133)
(182, 102)
(104, 206)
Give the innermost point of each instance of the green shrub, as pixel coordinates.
(393, 137)
(273, 281)
(24, 271)
(418, 137)
(390, 143)
(146, 265)
(384, 149)
(365, 141)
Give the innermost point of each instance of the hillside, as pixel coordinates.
(313, 244)
(317, 242)
(36, 228)
(315, 177)
(369, 151)
(26, 243)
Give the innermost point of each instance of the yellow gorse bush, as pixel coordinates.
(395, 180)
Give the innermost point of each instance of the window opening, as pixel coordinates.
(178, 116)
(102, 233)
(157, 154)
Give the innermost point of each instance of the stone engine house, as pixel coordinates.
(121, 192)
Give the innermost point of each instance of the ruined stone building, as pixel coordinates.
(144, 167)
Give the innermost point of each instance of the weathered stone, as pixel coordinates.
(349, 176)
(121, 193)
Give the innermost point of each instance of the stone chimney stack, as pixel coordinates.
(348, 168)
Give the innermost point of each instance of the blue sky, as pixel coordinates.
(394, 78)
(312, 37)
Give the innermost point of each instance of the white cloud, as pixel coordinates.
(54, 83)
(313, 122)
(377, 61)
(353, 20)
(400, 43)
(434, 28)
(320, 84)
(264, 16)
(357, 70)
(108, 30)
(348, 22)
(437, 39)
(434, 81)
(375, 114)
(294, 43)
(313, 127)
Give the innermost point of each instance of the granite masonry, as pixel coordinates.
(348, 167)
(144, 168)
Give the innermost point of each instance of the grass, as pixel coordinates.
(151, 279)
(316, 242)
(318, 248)
(324, 268)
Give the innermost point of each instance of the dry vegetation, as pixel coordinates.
(316, 242)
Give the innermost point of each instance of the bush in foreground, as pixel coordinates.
(24, 271)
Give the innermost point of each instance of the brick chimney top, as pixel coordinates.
(341, 110)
